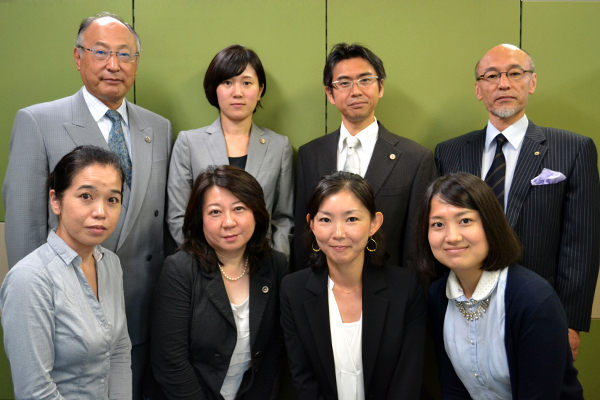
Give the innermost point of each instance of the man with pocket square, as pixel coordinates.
(546, 180)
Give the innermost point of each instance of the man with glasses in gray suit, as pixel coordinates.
(107, 53)
(546, 180)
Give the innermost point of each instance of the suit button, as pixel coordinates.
(156, 213)
(149, 258)
(258, 354)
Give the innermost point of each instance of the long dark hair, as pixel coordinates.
(330, 185)
(243, 186)
(468, 191)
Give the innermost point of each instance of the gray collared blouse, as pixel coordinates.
(60, 340)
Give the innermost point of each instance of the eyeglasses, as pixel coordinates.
(513, 75)
(102, 54)
(346, 84)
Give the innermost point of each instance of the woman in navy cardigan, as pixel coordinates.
(499, 332)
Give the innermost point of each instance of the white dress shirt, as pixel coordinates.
(515, 135)
(367, 137)
(99, 109)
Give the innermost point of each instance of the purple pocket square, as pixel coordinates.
(548, 177)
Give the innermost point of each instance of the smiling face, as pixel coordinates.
(89, 209)
(108, 80)
(238, 96)
(457, 237)
(505, 100)
(342, 227)
(228, 224)
(357, 105)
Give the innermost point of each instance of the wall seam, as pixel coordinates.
(326, 61)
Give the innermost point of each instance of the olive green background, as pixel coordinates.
(429, 49)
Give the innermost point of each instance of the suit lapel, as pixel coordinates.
(530, 158)
(384, 159)
(256, 150)
(327, 154)
(142, 139)
(215, 143)
(217, 294)
(374, 315)
(471, 153)
(259, 298)
(83, 129)
(317, 310)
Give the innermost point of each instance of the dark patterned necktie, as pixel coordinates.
(497, 173)
(117, 144)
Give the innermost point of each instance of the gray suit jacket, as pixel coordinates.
(42, 134)
(269, 162)
(558, 224)
(399, 172)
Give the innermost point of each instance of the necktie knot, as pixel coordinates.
(352, 142)
(501, 140)
(113, 115)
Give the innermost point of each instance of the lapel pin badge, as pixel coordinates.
(392, 156)
(537, 153)
(263, 141)
(265, 289)
(148, 140)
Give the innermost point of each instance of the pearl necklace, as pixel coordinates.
(239, 277)
(473, 315)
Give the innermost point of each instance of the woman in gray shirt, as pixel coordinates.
(63, 310)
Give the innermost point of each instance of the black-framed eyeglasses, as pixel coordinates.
(346, 84)
(102, 54)
(513, 75)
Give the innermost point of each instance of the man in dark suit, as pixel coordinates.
(397, 168)
(107, 56)
(546, 179)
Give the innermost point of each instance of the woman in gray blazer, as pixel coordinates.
(215, 328)
(234, 83)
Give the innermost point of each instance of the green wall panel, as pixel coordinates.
(180, 38)
(563, 38)
(37, 65)
(429, 50)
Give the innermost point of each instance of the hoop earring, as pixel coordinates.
(318, 249)
(367, 246)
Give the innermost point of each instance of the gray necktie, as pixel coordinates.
(352, 159)
(117, 144)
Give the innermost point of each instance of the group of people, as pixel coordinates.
(95, 193)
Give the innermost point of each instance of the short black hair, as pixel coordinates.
(468, 191)
(243, 186)
(230, 62)
(330, 185)
(343, 51)
(74, 162)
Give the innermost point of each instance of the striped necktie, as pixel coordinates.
(497, 173)
(117, 144)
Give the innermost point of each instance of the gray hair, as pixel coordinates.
(88, 21)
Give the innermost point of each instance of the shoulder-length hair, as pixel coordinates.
(330, 185)
(243, 186)
(468, 191)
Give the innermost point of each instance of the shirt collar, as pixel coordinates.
(514, 133)
(485, 286)
(98, 108)
(67, 254)
(366, 135)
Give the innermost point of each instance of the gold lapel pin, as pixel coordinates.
(263, 141)
(265, 289)
(392, 156)
(148, 140)
(537, 153)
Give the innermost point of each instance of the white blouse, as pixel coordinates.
(240, 359)
(346, 340)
